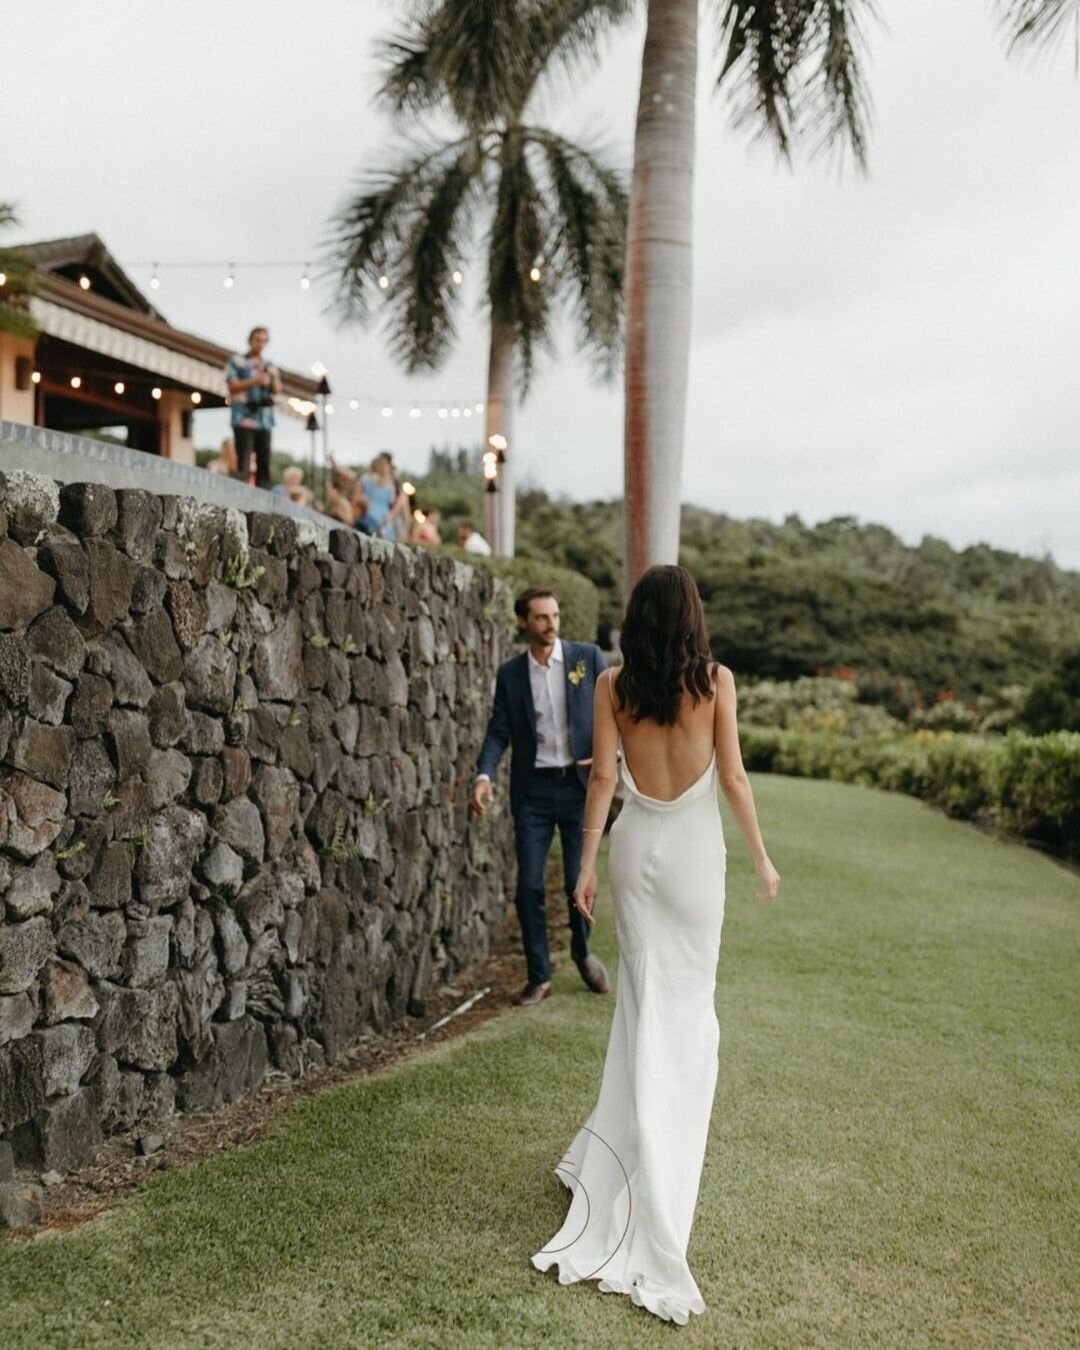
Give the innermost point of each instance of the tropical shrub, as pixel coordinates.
(1053, 701)
(1026, 785)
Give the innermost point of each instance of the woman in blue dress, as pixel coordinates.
(383, 496)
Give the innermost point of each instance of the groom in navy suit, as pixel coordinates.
(544, 710)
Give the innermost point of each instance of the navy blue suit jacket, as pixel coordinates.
(513, 717)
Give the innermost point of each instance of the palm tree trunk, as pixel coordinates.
(500, 422)
(658, 288)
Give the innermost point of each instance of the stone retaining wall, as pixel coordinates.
(233, 787)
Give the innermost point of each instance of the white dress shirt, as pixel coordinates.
(476, 543)
(549, 702)
(548, 684)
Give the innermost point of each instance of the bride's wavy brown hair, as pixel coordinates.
(665, 647)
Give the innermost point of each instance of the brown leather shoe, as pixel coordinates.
(594, 974)
(531, 994)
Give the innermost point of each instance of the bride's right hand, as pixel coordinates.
(769, 877)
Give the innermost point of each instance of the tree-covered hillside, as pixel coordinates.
(784, 600)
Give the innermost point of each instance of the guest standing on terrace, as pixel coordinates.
(253, 384)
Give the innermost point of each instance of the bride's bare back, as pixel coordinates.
(665, 761)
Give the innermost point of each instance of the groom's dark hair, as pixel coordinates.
(525, 599)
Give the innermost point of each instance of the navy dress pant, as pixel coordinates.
(551, 800)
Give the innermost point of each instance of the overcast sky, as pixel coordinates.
(901, 348)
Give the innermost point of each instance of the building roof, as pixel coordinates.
(115, 319)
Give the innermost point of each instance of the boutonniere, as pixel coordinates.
(577, 674)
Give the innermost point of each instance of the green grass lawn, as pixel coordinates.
(893, 1157)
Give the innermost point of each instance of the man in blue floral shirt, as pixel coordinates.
(253, 382)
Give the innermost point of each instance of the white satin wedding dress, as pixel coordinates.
(634, 1167)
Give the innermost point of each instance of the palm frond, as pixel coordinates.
(833, 103)
(794, 67)
(484, 57)
(406, 227)
(474, 55)
(590, 218)
(1040, 23)
(565, 34)
(756, 67)
(521, 233)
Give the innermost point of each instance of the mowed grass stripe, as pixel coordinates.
(893, 1157)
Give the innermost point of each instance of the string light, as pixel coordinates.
(534, 274)
(354, 403)
(467, 412)
(76, 381)
(329, 410)
(388, 412)
(456, 276)
(118, 387)
(479, 407)
(384, 283)
(444, 412)
(155, 280)
(455, 412)
(3, 278)
(155, 392)
(305, 280)
(84, 282)
(230, 280)
(36, 377)
(414, 412)
(196, 397)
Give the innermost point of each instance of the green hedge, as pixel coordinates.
(579, 600)
(1027, 785)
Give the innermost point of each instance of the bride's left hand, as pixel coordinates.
(585, 894)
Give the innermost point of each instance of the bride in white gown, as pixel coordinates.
(634, 1166)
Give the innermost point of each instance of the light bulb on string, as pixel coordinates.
(455, 412)
(155, 280)
(155, 392)
(76, 381)
(196, 397)
(384, 282)
(466, 412)
(230, 280)
(456, 276)
(3, 278)
(444, 412)
(479, 407)
(36, 377)
(305, 280)
(354, 403)
(388, 412)
(534, 274)
(329, 409)
(84, 282)
(118, 387)
(414, 412)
